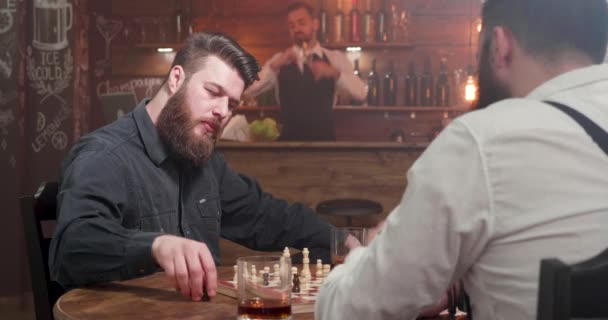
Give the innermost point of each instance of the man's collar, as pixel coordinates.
(155, 148)
(569, 80)
(315, 49)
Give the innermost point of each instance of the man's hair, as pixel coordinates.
(549, 28)
(199, 46)
(301, 5)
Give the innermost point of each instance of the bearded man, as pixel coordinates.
(148, 192)
(501, 188)
(307, 78)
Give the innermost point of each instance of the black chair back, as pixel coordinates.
(573, 291)
(34, 210)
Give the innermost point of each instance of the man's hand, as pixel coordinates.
(187, 263)
(373, 232)
(323, 70)
(288, 56)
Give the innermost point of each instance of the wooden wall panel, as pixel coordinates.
(310, 176)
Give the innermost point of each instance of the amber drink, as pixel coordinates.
(343, 240)
(264, 288)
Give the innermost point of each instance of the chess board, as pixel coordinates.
(302, 302)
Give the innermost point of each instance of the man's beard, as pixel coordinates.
(490, 88)
(300, 38)
(176, 129)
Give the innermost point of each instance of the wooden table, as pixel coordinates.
(150, 297)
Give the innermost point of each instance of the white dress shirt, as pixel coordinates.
(497, 191)
(348, 82)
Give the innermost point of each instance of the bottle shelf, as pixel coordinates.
(400, 109)
(370, 45)
(372, 108)
(175, 46)
(337, 46)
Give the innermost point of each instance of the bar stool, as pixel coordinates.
(349, 208)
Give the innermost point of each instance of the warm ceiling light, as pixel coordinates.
(470, 89)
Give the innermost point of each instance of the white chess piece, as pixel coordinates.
(254, 274)
(286, 253)
(306, 265)
(276, 271)
(319, 265)
(326, 270)
(236, 274)
(261, 278)
(319, 275)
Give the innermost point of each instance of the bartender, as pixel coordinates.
(306, 77)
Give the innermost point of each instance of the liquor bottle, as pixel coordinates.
(337, 25)
(442, 90)
(373, 84)
(381, 24)
(178, 21)
(367, 26)
(322, 36)
(426, 84)
(411, 86)
(357, 73)
(355, 23)
(390, 87)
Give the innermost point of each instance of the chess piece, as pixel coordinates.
(296, 284)
(236, 274)
(306, 265)
(261, 277)
(266, 279)
(319, 275)
(326, 270)
(205, 295)
(286, 253)
(254, 274)
(294, 271)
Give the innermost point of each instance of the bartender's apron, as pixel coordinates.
(306, 104)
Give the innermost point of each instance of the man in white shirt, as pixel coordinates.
(307, 78)
(500, 188)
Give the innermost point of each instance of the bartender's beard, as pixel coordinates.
(300, 38)
(176, 129)
(491, 90)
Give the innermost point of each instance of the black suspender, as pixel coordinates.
(596, 132)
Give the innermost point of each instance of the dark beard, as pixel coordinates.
(175, 128)
(301, 40)
(490, 89)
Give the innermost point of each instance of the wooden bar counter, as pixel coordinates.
(310, 172)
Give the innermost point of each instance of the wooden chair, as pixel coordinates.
(573, 291)
(34, 210)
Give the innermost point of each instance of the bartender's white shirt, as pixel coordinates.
(498, 190)
(348, 82)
